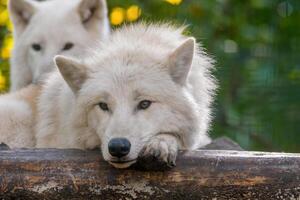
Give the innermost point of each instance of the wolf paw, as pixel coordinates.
(160, 153)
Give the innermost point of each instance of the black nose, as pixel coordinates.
(119, 147)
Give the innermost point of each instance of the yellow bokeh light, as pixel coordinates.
(133, 13)
(4, 17)
(2, 82)
(3, 2)
(9, 26)
(7, 47)
(5, 53)
(117, 16)
(174, 2)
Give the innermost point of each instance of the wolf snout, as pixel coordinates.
(119, 147)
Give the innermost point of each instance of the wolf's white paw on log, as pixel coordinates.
(159, 153)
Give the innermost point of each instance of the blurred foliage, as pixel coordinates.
(6, 43)
(256, 44)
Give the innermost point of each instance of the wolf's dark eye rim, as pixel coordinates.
(68, 46)
(103, 106)
(143, 105)
(36, 47)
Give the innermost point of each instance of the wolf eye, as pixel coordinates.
(103, 106)
(36, 47)
(68, 46)
(143, 105)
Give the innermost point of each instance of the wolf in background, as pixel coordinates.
(147, 93)
(48, 28)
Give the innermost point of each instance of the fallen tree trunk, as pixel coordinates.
(203, 174)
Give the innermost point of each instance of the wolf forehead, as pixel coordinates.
(138, 72)
(129, 62)
(139, 47)
(135, 53)
(152, 53)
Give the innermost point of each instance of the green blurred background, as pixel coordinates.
(256, 44)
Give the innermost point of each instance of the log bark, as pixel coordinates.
(203, 174)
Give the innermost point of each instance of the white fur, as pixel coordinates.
(139, 62)
(52, 24)
(134, 66)
(17, 114)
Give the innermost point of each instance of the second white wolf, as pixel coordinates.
(148, 92)
(45, 29)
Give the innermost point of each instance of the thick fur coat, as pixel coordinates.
(149, 84)
(45, 29)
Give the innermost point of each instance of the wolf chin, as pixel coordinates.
(45, 29)
(145, 92)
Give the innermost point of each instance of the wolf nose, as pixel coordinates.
(119, 147)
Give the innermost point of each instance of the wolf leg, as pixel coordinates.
(17, 117)
(161, 148)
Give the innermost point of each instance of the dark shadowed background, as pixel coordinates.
(256, 44)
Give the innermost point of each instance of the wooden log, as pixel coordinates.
(203, 174)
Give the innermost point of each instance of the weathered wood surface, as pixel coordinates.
(203, 174)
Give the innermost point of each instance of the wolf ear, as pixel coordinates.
(73, 72)
(180, 61)
(91, 11)
(20, 12)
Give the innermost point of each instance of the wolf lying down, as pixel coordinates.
(145, 92)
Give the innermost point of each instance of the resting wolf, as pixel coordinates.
(45, 29)
(148, 92)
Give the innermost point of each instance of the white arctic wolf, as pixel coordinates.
(45, 29)
(148, 92)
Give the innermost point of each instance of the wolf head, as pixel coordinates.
(132, 92)
(45, 29)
